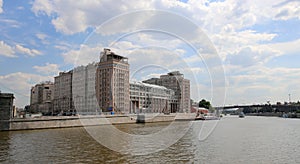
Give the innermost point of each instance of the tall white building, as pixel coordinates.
(84, 93)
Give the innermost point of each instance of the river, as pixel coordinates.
(230, 140)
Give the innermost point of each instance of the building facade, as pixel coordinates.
(6, 110)
(84, 93)
(6, 106)
(112, 82)
(63, 100)
(181, 87)
(41, 97)
(149, 98)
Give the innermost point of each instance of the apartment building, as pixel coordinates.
(181, 87)
(63, 100)
(84, 93)
(41, 97)
(112, 82)
(149, 98)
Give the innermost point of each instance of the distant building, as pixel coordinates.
(112, 82)
(41, 97)
(149, 98)
(84, 93)
(63, 101)
(181, 86)
(6, 106)
(6, 110)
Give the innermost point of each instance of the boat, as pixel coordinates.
(285, 115)
(241, 115)
(207, 116)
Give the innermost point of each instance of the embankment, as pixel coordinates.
(80, 121)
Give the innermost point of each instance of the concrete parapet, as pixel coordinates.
(185, 116)
(77, 121)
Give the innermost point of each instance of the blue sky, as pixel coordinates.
(256, 57)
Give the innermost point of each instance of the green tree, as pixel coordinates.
(205, 104)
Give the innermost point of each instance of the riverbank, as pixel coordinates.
(49, 122)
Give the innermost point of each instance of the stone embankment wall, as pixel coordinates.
(79, 121)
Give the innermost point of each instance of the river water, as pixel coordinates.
(230, 140)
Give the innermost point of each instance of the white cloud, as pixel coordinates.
(261, 54)
(287, 48)
(11, 23)
(48, 69)
(41, 6)
(229, 42)
(6, 50)
(41, 36)
(20, 84)
(10, 51)
(1, 4)
(260, 84)
(83, 56)
(252, 55)
(27, 51)
(90, 13)
(288, 10)
(71, 17)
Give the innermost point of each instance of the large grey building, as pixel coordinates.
(181, 86)
(84, 93)
(149, 98)
(41, 97)
(112, 82)
(63, 100)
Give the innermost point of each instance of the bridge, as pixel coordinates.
(263, 108)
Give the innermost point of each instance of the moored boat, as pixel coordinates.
(241, 115)
(207, 116)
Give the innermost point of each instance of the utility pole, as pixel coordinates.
(289, 98)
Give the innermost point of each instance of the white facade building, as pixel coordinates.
(84, 93)
(149, 98)
(181, 86)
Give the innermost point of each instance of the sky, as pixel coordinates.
(232, 51)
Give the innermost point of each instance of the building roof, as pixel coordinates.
(6, 95)
(149, 85)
